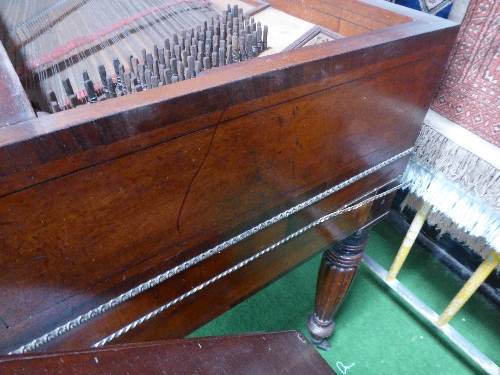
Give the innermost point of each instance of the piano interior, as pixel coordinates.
(70, 53)
(161, 161)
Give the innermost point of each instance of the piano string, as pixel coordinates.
(76, 52)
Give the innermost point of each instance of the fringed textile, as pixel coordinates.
(474, 175)
(463, 189)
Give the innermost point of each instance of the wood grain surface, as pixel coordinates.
(260, 353)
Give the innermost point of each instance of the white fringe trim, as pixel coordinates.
(474, 175)
(466, 210)
(446, 225)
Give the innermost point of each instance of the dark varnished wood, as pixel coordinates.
(145, 121)
(255, 354)
(98, 199)
(340, 17)
(336, 274)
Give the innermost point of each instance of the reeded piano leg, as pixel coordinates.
(336, 273)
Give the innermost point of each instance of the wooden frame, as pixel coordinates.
(309, 35)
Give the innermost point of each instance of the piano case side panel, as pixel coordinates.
(117, 206)
(342, 17)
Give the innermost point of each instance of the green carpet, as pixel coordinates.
(377, 332)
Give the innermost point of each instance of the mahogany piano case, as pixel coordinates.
(143, 217)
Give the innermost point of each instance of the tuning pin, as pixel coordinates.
(177, 52)
(248, 46)
(229, 53)
(259, 37)
(167, 59)
(128, 82)
(255, 49)
(264, 38)
(180, 70)
(91, 94)
(74, 102)
(137, 87)
(161, 76)
(154, 81)
(52, 99)
(149, 61)
(241, 48)
(190, 61)
(142, 76)
(173, 66)
(161, 55)
(130, 65)
(198, 66)
(214, 59)
(111, 87)
(116, 66)
(147, 75)
(135, 66)
(102, 75)
(184, 56)
(168, 76)
(193, 50)
(222, 57)
(67, 87)
(155, 67)
(120, 78)
(206, 63)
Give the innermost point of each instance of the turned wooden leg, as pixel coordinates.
(336, 273)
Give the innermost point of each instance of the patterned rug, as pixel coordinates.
(470, 94)
(440, 8)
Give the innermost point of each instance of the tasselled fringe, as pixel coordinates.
(446, 225)
(474, 175)
(466, 210)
